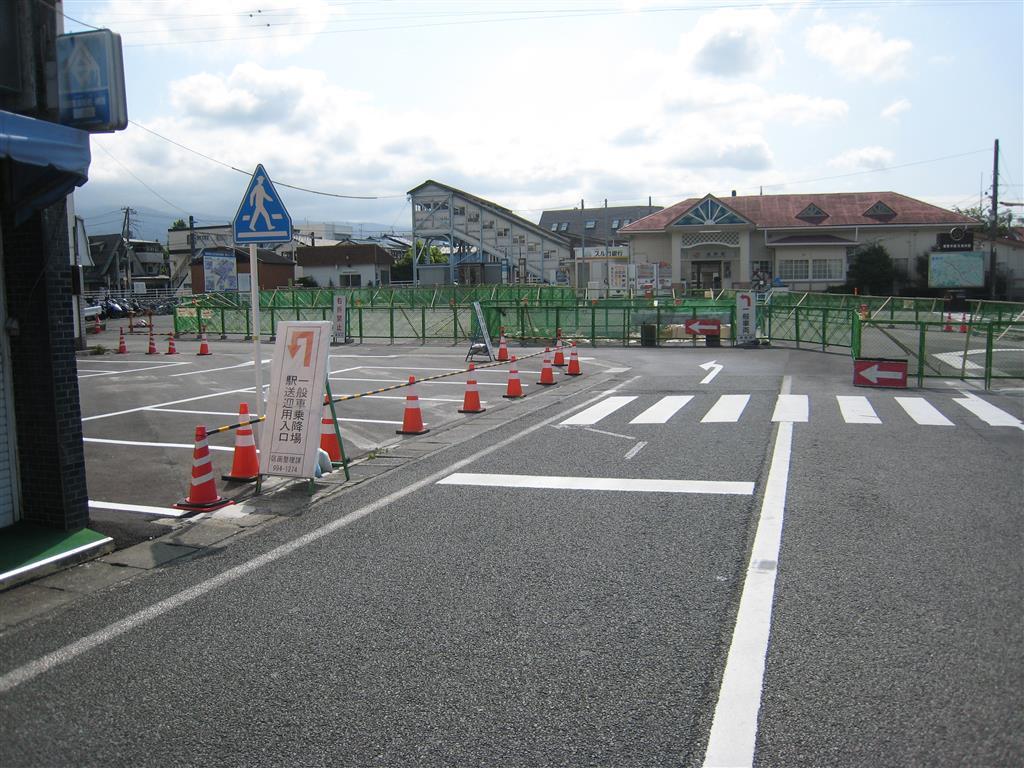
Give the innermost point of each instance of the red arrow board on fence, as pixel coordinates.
(704, 326)
(880, 373)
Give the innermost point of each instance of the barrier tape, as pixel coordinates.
(212, 430)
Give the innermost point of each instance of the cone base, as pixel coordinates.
(577, 373)
(514, 397)
(206, 506)
(546, 383)
(472, 410)
(240, 478)
(403, 432)
(560, 365)
(203, 354)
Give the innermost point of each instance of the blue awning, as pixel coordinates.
(47, 161)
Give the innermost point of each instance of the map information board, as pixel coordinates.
(951, 269)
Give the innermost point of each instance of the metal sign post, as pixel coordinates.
(254, 298)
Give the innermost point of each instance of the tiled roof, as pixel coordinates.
(844, 209)
(575, 221)
(812, 240)
(346, 254)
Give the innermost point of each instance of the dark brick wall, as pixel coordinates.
(51, 459)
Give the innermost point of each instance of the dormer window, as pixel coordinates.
(812, 214)
(880, 211)
(590, 224)
(615, 223)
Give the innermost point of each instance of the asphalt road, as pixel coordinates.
(511, 599)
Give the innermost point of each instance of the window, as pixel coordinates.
(880, 211)
(563, 226)
(503, 232)
(474, 217)
(709, 212)
(827, 269)
(793, 269)
(533, 248)
(554, 226)
(459, 210)
(812, 214)
(350, 280)
(489, 224)
(518, 239)
(591, 223)
(763, 267)
(626, 221)
(615, 223)
(901, 266)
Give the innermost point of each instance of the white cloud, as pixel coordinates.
(862, 159)
(733, 43)
(895, 109)
(749, 152)
(859, 52)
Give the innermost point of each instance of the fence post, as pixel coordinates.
(423, 325)
(455, 323)
(657, 323)
(824, 328)
(796, 314)
(360, 323)
(593, 325)
(988, 357)
(223, 324)
(921, 350)
(391, 323)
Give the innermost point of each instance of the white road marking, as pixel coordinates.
(857, 410)
(714, 368)
(923, 412)
(610, 434)
(403, 397)
(727, 409)
(734, 727)
(161, 511)
(984, 410)
(197, 413)
(31, 670)
(225, 368)
(171, 402)
(790, 408)
(150, 445)
(597, 412)
(627, 484)
(635, 450)
(663, 410)
(418, 381)
(148, 368)
(54, 558)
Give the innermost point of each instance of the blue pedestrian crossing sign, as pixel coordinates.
(262, 217)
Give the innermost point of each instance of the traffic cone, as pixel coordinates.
(547, 376)
(949, 323)
(202, 495)
(559, 354)
(963, 323)
(152, 344)
(329, 434)
(170, 345)
(574, 363)
(471, 400)
(412, 421)
(122, 346)
(96, 328)
(502, 347)
(204, 346)
(514, 389)
(245, 466)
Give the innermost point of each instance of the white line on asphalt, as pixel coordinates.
(857, 410)
(597, 412)
(172, 402)
(727, 409)
(55, 558)
(161, 511)
(923, 412)
(404, 397)
(36, 667)
(635, 449)
(197, 413)
(663, 410)
(610, 434)
(984, 410)
(149, 445)
(226, 368)
(153, 367)
(405, 380)
(791, 408)
(734, 727)
(627, 484)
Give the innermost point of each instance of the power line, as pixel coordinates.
(129, 172)
(54, 9)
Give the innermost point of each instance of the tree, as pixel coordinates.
(1004, 220)
(871, 270)
(178, 225)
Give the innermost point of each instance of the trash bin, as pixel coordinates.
(712, 340)
(648, 335)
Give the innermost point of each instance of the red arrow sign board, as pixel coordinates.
(879, 373)
(708, 327)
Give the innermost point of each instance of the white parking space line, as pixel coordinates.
(595, 413)
(406, 381)
(727, 409)
(663, 410)
(984, 410)
(857, 410)
(923, 412)
(626, 484)
(790, 408)
(148, 368)
(150, 445)
(171, 402)
(225, 368)
(635, 449)
(142, 508)
(368, 421)
(403, 397)
(197, 413)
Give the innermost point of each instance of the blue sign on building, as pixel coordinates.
(91, 81)
(262, 217)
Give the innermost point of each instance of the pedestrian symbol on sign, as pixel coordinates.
(262, 217)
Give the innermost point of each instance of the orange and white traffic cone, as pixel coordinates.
(245, 466)
(204, 346)
(329, 434)
(515, 386)
(412, 421)
(96, 328)
(122, 346)
(949, 323)
(502, 346)
(574, 363)
(202, 495)
(171, 350)
(547, 376)
(152, 344)
(471, 400)
(559, 354)
(963, 323)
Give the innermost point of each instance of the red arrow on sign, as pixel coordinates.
(880, 373)
(293, 347)
(707, 327)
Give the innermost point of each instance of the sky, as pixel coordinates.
(548, 104)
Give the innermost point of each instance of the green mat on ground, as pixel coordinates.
(22, 545)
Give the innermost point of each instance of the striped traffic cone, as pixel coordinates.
(502, 346)
(329, 434)
(204, 346)
(122, 346)
(245, 466)
(471, 400)
(547, 376)
(152, 344)
(412, 421)
(202, 495)
(559, 354)
(963, 323)
(948, 328)
(514, 389)
(574, 363)
(171, 350)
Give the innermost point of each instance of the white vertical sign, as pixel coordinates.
(340, 310)
(291, 434)
(746, 317)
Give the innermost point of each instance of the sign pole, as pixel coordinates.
(254, 298)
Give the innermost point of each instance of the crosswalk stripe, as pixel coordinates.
(663, 410)
(791, 408)
(984, 410)
(857, 410)
(728, 408)
(598, 411)
(923, 412)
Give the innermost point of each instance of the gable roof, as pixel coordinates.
(343, 254)
(575, 221)
(844, 209)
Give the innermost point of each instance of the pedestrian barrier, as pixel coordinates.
(202, 495)
(471, 400)
(547, 376)
(412, 421)
(245, 463)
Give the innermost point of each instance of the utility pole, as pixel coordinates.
(994, 227)
(126, 234)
